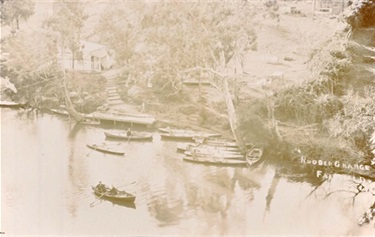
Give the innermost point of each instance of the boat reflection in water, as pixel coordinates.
(115, 203)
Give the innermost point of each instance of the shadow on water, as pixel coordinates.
(114, 202)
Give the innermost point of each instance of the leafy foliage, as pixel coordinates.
(31, 67)
(163, 42)
(12, 11)
(303, 107)
(119, 28)
(330, 67)
(358, 115)
(67, 20)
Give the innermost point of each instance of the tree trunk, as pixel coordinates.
(233, 117)
(69, 105)
(275, 127)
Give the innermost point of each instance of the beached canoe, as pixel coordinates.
(123, 135)
(105, 148)
(214, 161)
(254, 156)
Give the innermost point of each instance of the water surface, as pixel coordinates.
(47, 173)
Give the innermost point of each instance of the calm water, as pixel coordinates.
(47, 173)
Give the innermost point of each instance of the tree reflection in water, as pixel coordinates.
(77, 173)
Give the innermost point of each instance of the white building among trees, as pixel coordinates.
(91, 57)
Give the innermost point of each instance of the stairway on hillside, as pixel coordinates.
(113, 97)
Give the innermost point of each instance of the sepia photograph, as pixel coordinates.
(187, 118)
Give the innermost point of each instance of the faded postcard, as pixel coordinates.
(187, 118)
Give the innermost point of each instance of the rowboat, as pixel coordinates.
(133, 136)
(254, 156)
(214, 161)
(113, 194)
(104, 148)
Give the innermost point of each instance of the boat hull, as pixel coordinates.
(120, 135)
(254, 156)
(10, 104)
(121, 197)
(215, 155)
(105, 150)
(181, 147)
(188, 133)
(214, 161)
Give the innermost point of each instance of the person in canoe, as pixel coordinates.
(113, 191)
(101, 187)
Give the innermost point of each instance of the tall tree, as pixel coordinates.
(67, 20)
(12, 11)
(119, 28)
(203, 37)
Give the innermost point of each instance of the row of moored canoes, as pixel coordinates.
(207, 150)
(220, 152)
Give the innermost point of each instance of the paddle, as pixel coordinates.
(129, 138)
(96, 147)
(106, 188)
(98, 198)
(91, 150)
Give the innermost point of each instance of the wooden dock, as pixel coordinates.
(116, 117)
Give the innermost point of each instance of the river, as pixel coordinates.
(47, 173)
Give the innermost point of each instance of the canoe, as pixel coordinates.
(182, 136)
(123, 135)
(254, 156)
(9, 104)
(214, 150)
(220, 142)
(181, 147)
(118, 112)
(60, 112)
(104, 148)
(117, 196)
(88, 121)
(179, 136)
(218, 155)
(214, 161)
(191, 133)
